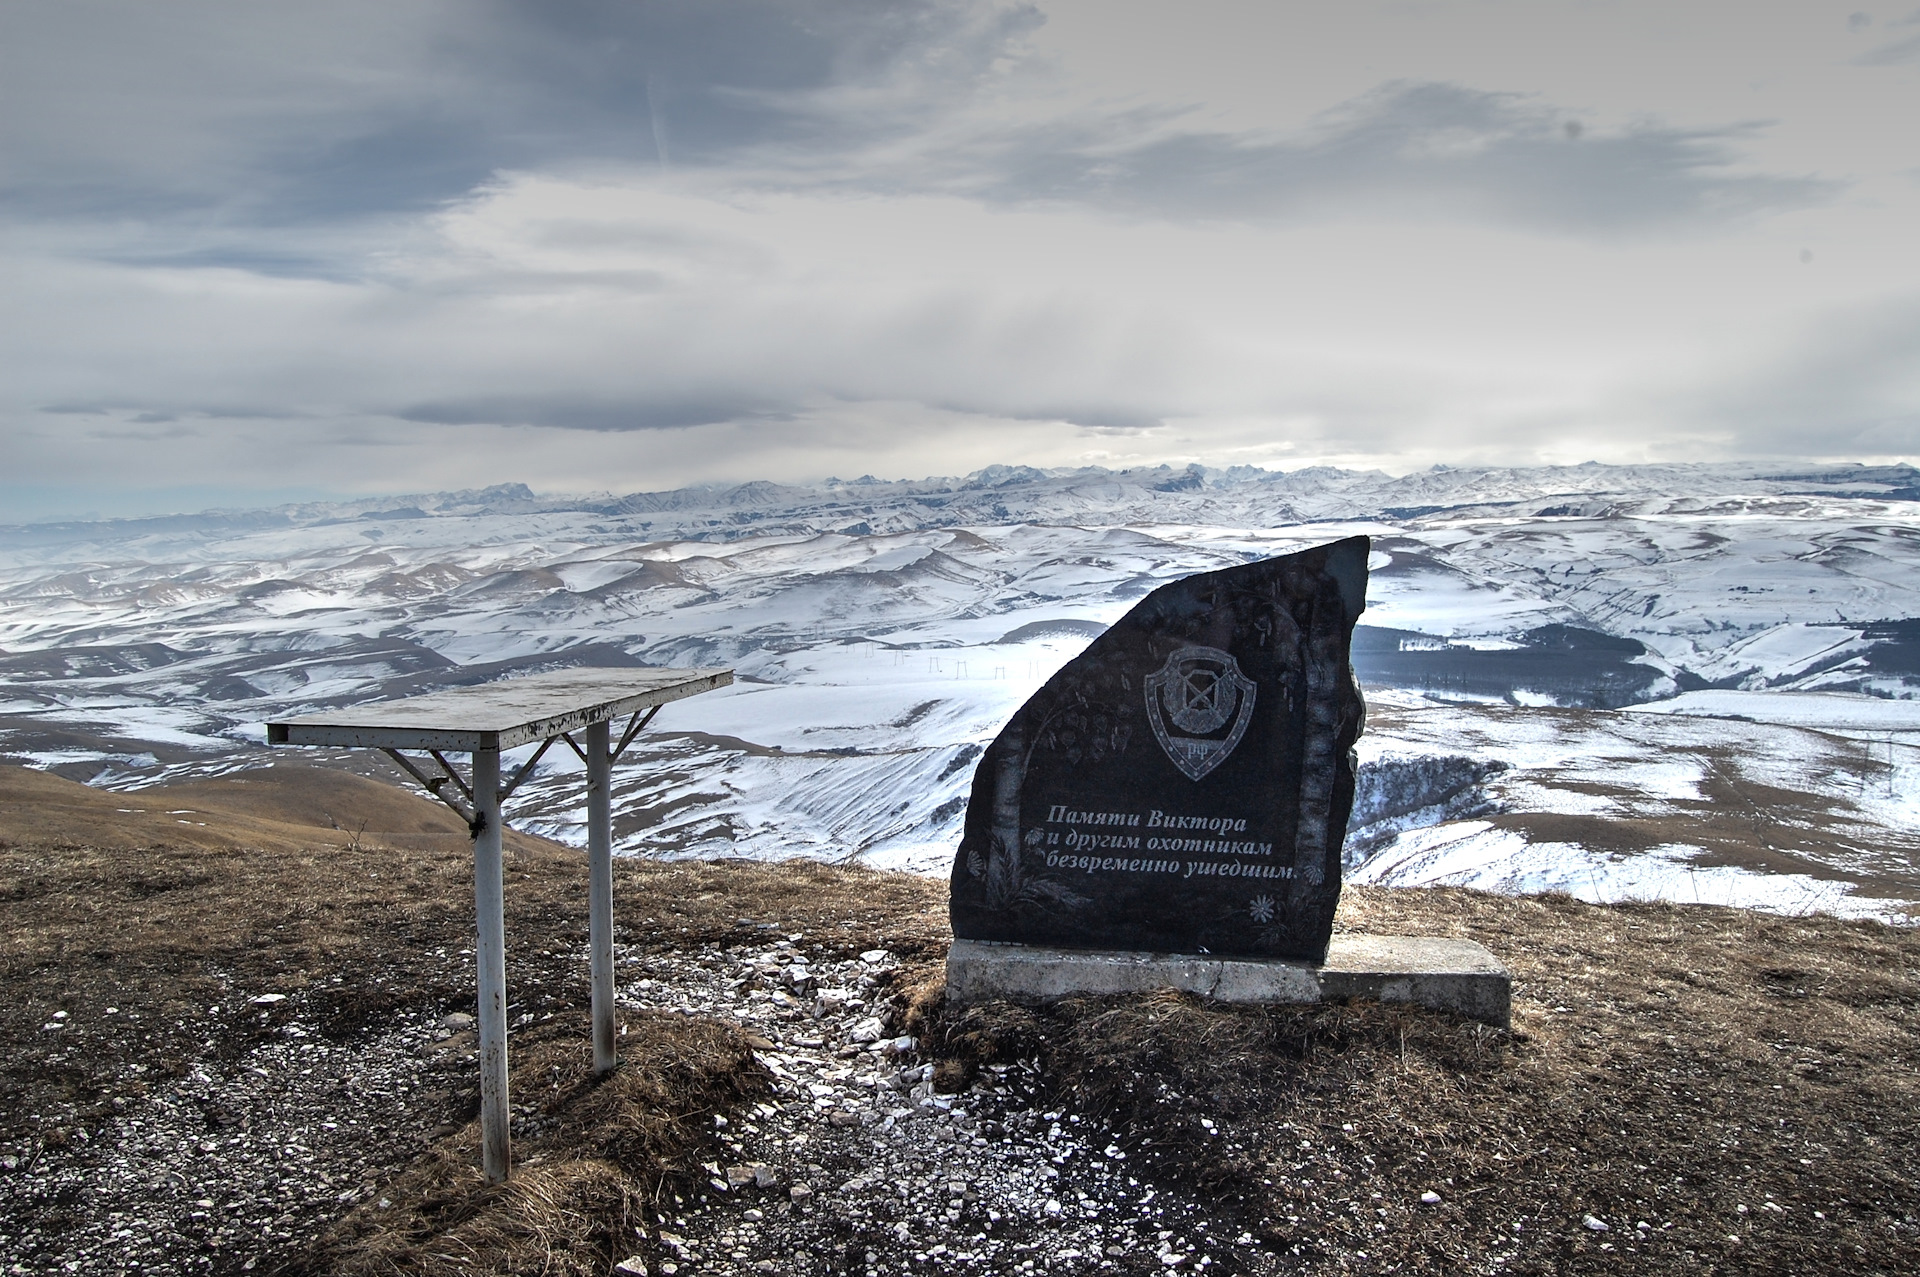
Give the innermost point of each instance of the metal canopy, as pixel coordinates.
(499, 715)
(482, 721)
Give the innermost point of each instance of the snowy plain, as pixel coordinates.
(1688, 683)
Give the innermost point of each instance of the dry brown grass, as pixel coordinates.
(277, 808)
(159, 929)
(1669, 1064)
(581, 1196)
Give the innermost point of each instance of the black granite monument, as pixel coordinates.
(1183, 785)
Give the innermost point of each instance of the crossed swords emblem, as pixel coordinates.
(1199, 691)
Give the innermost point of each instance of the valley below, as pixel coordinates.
(1657, 683)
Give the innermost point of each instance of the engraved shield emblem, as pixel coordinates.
(1199, 704)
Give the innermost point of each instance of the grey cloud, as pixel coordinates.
(110, 107)
(1895, 52)
(288, 263)
(678, 83)
(1426, 148)
(590, 414)
(152, 413)
(288, 114)
(709, 79)
(275, 117)
(1891, 54)
(141, 430)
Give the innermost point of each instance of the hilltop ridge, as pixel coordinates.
(997, 493)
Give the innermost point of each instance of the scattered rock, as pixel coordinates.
(1430, 1197)
(631, 1266)
(197, 1166)
(1593, 1224)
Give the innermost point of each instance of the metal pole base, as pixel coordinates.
(600, 893)
(490, 962)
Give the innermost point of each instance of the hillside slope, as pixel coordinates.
(1631, 642)
(278, 807)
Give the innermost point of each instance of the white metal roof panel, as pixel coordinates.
(499, 715)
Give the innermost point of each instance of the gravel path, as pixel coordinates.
(238, 1163)
(858, 1165)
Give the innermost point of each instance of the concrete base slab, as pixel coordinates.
(1446, 975)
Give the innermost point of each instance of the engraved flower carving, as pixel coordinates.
(1261, 908)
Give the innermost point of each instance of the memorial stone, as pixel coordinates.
(1183, 785)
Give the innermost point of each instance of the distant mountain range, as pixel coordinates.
(883, 630)
(999, 494)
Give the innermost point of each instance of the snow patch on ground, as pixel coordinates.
(1841, 711)
(1475, 854)
(882, 633)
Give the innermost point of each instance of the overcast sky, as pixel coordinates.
(255, 250)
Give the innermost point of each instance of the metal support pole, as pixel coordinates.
(490, 959)
(600, 893)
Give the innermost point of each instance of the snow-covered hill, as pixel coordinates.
(1716, 658)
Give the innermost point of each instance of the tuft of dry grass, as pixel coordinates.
(582, 1196)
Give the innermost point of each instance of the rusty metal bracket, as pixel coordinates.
(635, 726)
(434, 784)
(525, 769)
(452, 775)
